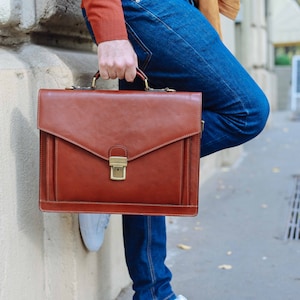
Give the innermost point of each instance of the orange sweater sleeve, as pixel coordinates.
(106, 18)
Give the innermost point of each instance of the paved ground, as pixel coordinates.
(236, 247)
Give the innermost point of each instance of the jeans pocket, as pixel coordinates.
(143, 53)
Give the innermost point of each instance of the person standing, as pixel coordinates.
(177, 45)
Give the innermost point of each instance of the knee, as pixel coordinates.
(258, 116)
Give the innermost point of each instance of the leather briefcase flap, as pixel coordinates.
(147, 123)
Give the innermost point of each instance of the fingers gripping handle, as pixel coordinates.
(139, 73)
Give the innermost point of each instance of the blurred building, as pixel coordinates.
(284, 20)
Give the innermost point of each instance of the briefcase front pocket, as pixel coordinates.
(126, 152)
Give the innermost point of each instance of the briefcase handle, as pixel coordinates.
(139, 73)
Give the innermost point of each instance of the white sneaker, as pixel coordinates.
(180, 297)
(92, 228)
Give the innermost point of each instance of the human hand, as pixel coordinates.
(117, 59)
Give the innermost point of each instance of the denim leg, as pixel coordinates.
(145, 252)
(178, 48)
(145, 248)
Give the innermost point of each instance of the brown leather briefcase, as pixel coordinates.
(127, 152)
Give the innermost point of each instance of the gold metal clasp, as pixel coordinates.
(118, 166)
(202, 125)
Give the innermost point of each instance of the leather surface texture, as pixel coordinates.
(155, 134)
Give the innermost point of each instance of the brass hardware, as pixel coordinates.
(202, 125)
(73, 87)
(139, 73)
(118, 166)
(93, 85)
(147, 88)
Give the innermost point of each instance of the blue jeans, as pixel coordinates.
(178, 48)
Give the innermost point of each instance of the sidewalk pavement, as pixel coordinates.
(236, 248)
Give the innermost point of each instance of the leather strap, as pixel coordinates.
(139, 73)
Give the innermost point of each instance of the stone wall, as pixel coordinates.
(44, 44)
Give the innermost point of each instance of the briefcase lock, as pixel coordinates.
(118, 166)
